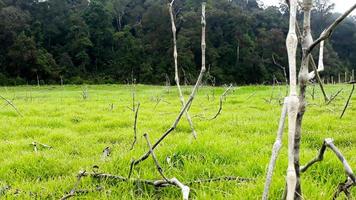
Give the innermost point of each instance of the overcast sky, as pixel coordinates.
(340, 5)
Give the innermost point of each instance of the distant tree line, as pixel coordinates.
(111, 41)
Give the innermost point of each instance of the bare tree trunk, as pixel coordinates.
(190, 99)
(292, 42)
(175, 55)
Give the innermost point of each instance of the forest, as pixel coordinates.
(116, 41)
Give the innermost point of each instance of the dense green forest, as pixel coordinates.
(111, 41)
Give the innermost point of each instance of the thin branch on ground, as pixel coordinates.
(73, 191)
(351, 180)
(159, 168)
(222, 97)
(189, 101)
(251, 95)
(135, 126)
(344, 187)
(12, 105)
(348, 100)
(36, 144)
(174, 181)
(106, 152)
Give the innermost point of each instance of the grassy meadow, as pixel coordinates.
(237, 143)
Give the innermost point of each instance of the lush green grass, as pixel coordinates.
(237, 143)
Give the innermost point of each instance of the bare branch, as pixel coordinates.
(334, 96)
(312, 62)
(348, 100)
(36, 144)
(159, 168)
(281, 67)
(12, 105)
(221, 102)
(135, 126)
(328, 32)
(329, 143)
(275, 151)
(73, 191)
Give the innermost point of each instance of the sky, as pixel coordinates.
(340, 5)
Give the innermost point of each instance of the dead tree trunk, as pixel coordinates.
(176, 78)
(296, 105)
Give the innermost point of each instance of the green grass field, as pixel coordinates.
(237, 143)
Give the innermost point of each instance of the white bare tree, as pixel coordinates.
(295, 104)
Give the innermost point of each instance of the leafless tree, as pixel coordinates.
(295, 104)
(175, 56)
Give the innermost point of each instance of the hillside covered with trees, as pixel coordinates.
(111, 41)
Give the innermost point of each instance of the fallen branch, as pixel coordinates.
(174, 181)
(189, 101)
(348, 100)
(221, 102)
(345, 188)
(351, 180)
(106, 153)
(36, 144)
(12, 105)
(73, 191)
(135, 126)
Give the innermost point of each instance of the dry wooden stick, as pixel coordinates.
(176, 78)
(135, 126)
(12, 105)
(345, 188)
(174, 181)
(221, 102)
(332, 97)
(159, 168)
(281, 67)
(348, 100)
(189, 101)
(312, 62)
(275, 151)
(329, 143)
(73, 191)
(35, 145)
(351, 180)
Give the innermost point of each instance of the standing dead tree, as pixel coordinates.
(295, 104)
(189, 101)
(175, 56)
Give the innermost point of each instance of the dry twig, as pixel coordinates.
(12, 105)
(348, 100)
(135, 126)
(221, 102)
